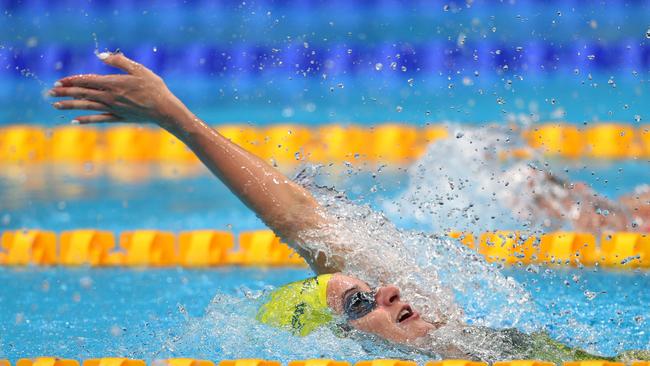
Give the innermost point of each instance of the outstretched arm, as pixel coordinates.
(142, 96)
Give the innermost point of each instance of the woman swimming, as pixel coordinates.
(333, 298)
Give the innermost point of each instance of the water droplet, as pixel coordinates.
(410, 81)
(591, 57)
(155, 49)
(460, 41)
(379, 66)
(116, 331)
(611, 83)
(399, 109)
(647, 34)
(501, 101)
(637, 118)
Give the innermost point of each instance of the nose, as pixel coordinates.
(387, 295)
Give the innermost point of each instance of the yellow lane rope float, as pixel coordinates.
(394, 143)
(208, 248)
(119, 361)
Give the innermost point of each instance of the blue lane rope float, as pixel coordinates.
(431, 57)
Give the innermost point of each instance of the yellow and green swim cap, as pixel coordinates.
(300, 306)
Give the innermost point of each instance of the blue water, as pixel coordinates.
(175, 199)
(317, 61)
(311, 62)
(85, 313)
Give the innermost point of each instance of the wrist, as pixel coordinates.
(174, 116)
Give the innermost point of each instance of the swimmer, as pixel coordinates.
(333, 298)
(496, 193)
(558, 203)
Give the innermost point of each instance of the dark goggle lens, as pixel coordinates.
(359, 305)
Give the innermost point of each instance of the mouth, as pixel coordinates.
(406, 314)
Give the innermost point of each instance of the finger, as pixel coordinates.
(122, 62)
(80, 104)
(96, 118)
(79, 93)
(87, 81)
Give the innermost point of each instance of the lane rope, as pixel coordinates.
(210, 248)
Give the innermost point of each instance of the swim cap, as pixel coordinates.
(299, 306)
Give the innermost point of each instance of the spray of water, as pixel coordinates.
(468, 189)
(96, 51)
(230, 319)
(440, 277)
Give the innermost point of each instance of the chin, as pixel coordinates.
(419, 329)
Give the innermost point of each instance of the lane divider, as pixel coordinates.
(287, 144)
(524, 363)
(455, 363)
(208, 248)
(46, 361)
(118, 361)
(616, 249)
(185, 362)
(145, 248)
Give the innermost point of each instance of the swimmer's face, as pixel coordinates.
(391, 318)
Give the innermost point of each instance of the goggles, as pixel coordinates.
(359, 304)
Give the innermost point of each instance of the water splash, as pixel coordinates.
(440, 277)
(229, 319)
(435, 274)
(469, 189)
(23, 71)
(96, 51)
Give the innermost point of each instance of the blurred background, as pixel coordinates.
(312, 62)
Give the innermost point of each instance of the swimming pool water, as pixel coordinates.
(307, 62)
(157, 313)
(85, 313)
(163, 197)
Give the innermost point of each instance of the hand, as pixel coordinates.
(137, 96)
